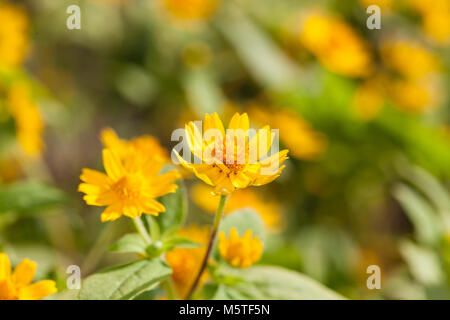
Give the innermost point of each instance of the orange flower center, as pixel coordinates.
(127, 188)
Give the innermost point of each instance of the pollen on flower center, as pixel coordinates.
(127, 188)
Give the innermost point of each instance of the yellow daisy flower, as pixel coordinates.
(229, 160)
(13, 35)
(270, 211)
(17, 285)
(186, 262)
(129, 187)
(336, 45)
(242, 251)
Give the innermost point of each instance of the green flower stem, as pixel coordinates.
(141, 229)
(214, 229)
(168, 285)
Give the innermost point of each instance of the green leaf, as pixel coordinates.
(423, 263)
(269, 282)
(125, 281)
(176, 210)
(28, 196)
(426, 223)
(243, 220)
(132, 242)
(179, 242)
(267, 63)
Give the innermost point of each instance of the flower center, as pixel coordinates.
(127, 188)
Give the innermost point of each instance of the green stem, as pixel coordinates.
(141, 229)
(168, 285)
(214, 229)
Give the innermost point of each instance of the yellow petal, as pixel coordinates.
(112, 164)
(94, 177)
(260, 144)
(5, 266)
(239, 122)
(24, 273)
(7, 290)
(38, 290)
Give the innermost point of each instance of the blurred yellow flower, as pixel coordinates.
(17, 285)
(145, 146)
(409, 58)
(295, 133)
(232, 168)
(129, 187)
(29, 125)
(186, 262)
(413, 96)
(336, 45)
(13, 35)
(435, 18)
(270, 211)
(191, 9)
(242, 251)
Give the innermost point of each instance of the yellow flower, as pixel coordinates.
(336, 45)
(186, 262)
(191, 9)
(435, 18)
(13, 35)
(413, 96)
(129, 187)
(146, 145)
(229, 160)
(17, 285)
(270, 211)
(28, 120)
(409, 58)
(242, 251)
(295, 133)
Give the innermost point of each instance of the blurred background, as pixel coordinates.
(364, 113)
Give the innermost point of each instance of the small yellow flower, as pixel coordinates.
(191, 9)
(186, 262)
(413, 96)
(242, 251)
(336, 45)
(129, 187)
(229, 160)
(409, 58)
(17, 285)
(146, 145)
(295, 133)
(28, 120)
(13, 35)
(435, 19)
(270, 211)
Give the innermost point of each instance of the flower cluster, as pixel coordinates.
(132, 180)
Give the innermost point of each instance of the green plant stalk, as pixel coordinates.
(212, 237)
(140, 227)
(168, 285)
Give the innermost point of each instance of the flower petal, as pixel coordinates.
(24, 273)
(5, 266)
(38, 290)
